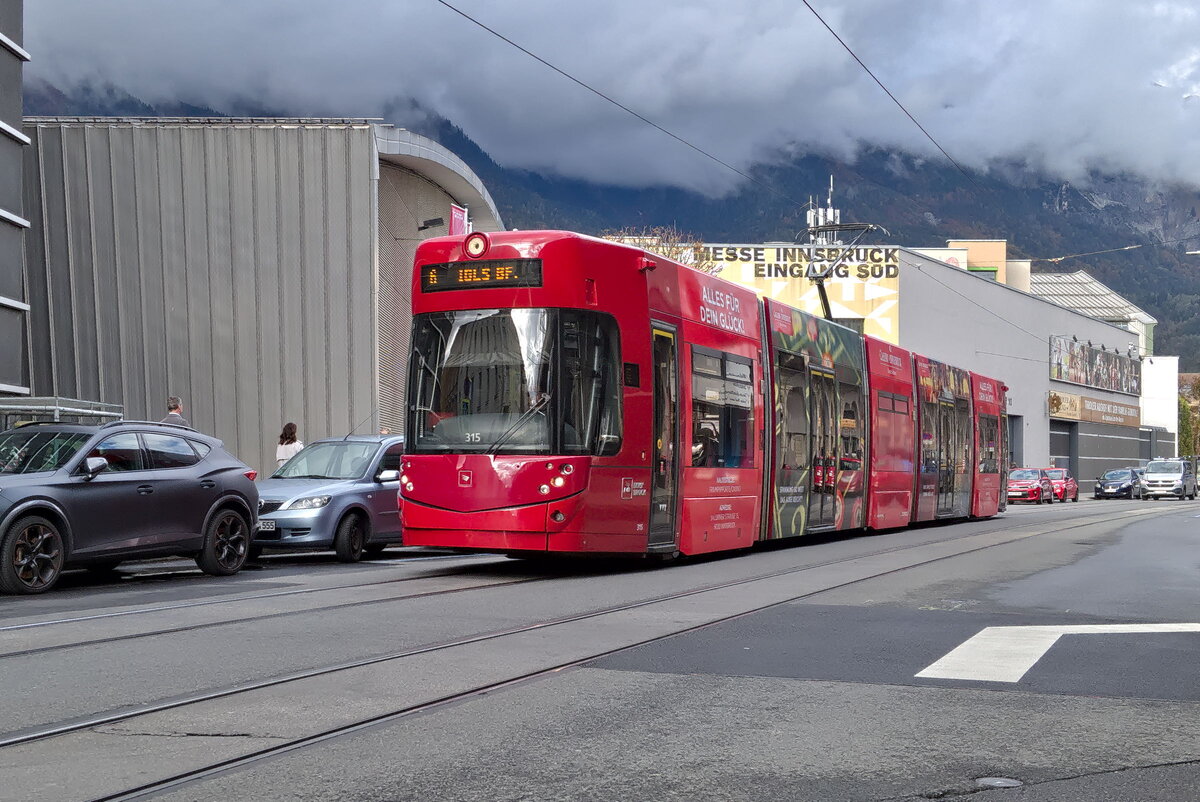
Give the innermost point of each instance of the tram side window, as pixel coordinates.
(893, 438)
(962, 436)
(929, 443)
(851, 427)
(989, 437)
(722, 410)
(589, 384)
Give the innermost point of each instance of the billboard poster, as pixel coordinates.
(458, 220)
(863, 283)
(1080, 363)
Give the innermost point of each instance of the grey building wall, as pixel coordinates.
(951, 315)
(14, 305)
(406, 200)
(228, 262)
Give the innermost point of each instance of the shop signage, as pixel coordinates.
(1068, 406)
(862, 283)
(1065, 405)
(1097, 410)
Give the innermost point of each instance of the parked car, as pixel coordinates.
(92, 497)
(1169, 478)
(1030, 484)
(1121, 482)
(337, 493)
(1064, 484)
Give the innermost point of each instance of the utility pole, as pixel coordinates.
(826, 229)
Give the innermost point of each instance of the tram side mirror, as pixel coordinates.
(610, 445)
(383, 477)
(93, 466)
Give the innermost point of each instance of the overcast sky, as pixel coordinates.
(1068, 85)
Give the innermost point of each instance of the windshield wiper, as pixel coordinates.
(537, 407)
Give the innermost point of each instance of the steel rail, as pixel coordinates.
(232, 600)
(118, 715)
(188, 777)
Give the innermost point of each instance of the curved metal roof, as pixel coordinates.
(1083, 293)
(424, 156)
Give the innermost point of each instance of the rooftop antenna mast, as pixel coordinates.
(826, 230)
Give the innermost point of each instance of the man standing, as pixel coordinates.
(175, 412)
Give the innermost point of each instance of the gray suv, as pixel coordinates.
(91, 497)
(338, 493)
(1169, 478)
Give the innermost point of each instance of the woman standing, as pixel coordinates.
(288, 444)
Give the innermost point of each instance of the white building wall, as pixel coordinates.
(1160, 392)
(954, 316)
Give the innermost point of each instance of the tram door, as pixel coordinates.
(792, 457)
(822, 490)
(947, 437)
(666, 440)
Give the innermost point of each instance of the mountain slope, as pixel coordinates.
(920, 202)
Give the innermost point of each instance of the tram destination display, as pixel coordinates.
(481, 274)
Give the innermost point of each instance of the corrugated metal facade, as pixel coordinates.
(14, 355)
(230, 264)
(406, 199)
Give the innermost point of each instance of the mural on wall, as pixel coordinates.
(863, 283)
(1079, 363)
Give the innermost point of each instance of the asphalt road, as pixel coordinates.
(784, 673)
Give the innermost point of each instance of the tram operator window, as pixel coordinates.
(515, 381)
(722, 410)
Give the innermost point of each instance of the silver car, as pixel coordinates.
(337, 493)
(1169, 478)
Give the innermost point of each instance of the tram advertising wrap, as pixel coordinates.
(571, 394)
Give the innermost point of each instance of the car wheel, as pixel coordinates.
(1075, 498)
(350, 539)
(32, 556)
(226, 544)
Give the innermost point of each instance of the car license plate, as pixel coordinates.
(266, 526)
(1012, 494)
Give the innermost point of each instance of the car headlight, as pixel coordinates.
(308, 503)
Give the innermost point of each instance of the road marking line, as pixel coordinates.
(1005, 654)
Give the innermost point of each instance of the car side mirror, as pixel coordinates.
(384, 477)
(93, 466)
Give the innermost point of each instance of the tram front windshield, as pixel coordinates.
(514, 381)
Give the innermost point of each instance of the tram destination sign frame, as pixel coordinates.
(481, 274)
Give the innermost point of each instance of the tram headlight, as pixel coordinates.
(403, 478)
(408, 487)
(476, 245)
(544, 489)
(568, 469)
(558, 481)
(308, 503)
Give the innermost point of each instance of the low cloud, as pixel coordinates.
(1068, 87)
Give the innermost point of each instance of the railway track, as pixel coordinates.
(769, 589)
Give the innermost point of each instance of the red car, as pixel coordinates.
(1030, 484)
(1064, 484)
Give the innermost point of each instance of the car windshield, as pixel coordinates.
(1164, 466)
(345, 459)
(33, 450)
(1024, 475)
(1057, 475)
(514, 381)
(1117, 476)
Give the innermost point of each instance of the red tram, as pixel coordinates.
(571, 394)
